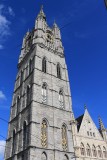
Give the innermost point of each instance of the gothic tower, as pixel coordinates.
(41, 111)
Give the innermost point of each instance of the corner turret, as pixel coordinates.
(57, 35)
(102, 129)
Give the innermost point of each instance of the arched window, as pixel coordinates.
(14, 142)
(28, 95)
(104, 152)
(44, 134)
(82, 149)
(94, 151)
(18, 104)
(66, 157)
(88, 150)
(99, 152)
(25, 135)
(21, 77)
(44, 93)
(23, 156)
(44, 156)
(30, 66)
(58, 71)
(61, 99)
(44, 65)
(64, 138)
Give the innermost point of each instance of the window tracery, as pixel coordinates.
(64, 138)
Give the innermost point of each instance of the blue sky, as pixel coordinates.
(85, 43)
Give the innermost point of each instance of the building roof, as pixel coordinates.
(79, 121)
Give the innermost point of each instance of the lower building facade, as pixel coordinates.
(90, 143)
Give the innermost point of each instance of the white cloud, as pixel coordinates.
(4, 26)
(1, 47)
(11, 11)
(2, 148)
(1, 8)
(2, 95)
(5, 23)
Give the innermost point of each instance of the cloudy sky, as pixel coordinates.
(83, 26)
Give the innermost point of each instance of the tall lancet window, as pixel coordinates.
(94, 151)
(66, 157)
(44, 65)
(44, 156)
(64, 138)
(44, 137)
(28, 96)
(99, 152)
(44, 93)
(58, 71)
(104, 152)
(30, 66)
(88, 150)
(25, 135)
(21, 76)
(82, 149)
(61, 99)
(14, 142)
(17, 104)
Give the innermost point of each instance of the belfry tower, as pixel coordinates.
(41, 111)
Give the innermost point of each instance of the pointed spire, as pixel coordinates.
(41, 13)
(55, 25)
(41, 10)
(28, 30)
(85, 107)
(42, 7)
(101, 125)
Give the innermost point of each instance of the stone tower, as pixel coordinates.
(41, 111)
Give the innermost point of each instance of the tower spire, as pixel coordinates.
(41, 13)
(42, 7)
(85, 107)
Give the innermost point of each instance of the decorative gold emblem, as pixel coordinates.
(64, 138)
(44, 134)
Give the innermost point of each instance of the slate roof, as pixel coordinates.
(79, 121)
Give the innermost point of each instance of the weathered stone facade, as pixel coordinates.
(41, 111)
